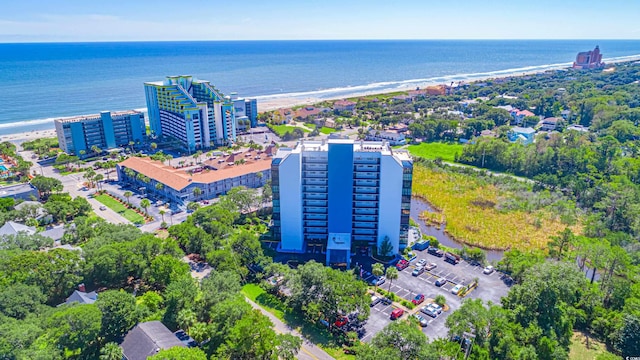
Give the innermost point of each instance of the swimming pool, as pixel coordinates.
(3, 168)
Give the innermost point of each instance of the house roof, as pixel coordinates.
(13, 228)
(179, 179)
(521, 130)
(82, 297)
(344, 103)
(525, 113)
(54, 233)
(550, 120)
(147, 339)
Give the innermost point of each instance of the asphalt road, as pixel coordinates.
(308, 351)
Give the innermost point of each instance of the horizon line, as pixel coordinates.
(305, 40)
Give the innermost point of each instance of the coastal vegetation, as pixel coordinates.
(436, 150)
(120, 208)
(489, 212)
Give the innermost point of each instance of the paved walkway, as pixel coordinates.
(308, 351)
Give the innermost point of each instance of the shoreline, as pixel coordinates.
(275, 102)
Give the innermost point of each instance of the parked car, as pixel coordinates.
(430, 266)
(429, 311)
(441, 281)
(423, 322)
(421, 262)
(402, 264)
(456, 289)
(488, 270)
(397, 313)
(341, 321)
(375, 300)
(387, 301)
(103, 208)
(451, 258)
(185, 338)
(435, 251)
(417, 271)
(377, 281)
(435, 307)
(419, 299)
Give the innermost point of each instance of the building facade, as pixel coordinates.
(341, 195)
(589, 59)
(212, 178)
(191, 111)
(106, 130)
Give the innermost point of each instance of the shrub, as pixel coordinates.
(440, 300)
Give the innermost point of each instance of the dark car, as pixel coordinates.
(435, 251)
(387, 301)
(441, 282)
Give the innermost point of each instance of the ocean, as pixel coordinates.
(44, 81)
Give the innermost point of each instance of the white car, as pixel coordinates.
(421, 262)
(437, 308)
(456, 289)
(488, 270)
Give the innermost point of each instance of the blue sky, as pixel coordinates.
(120, 20)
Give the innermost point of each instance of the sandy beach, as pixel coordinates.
(275, 103)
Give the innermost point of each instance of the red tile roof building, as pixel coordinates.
(589, 59)
(214, 177)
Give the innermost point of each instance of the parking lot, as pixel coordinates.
(490, 288)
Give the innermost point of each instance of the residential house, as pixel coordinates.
(147, 339)
(344, 105)
(566, 114)
(11, 228)
(523, 135)
(549, 124)
(81, 297)
(519, 115)
(330, 123)
(578, 127)
(307, 112)
(403, 98)
(20, 191)
(393, 138)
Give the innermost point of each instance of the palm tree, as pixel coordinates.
(193, 206)
(131, 143)
(128, 194)
(153, 146)
(392, 274)
(89, 175)
(197, 156)
(111, 351)
(197, 192)
(98, 178)
(377, 270)
(96, 150)
(162, 212)
(145, 203)
(159, 187)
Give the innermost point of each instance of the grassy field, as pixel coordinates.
(279, 310)
(578, 349)
(116, 206)
(444, 151)
(327, 130)
(467, 206)
(280, 130)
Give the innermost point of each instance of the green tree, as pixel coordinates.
(75, 328)
(391, 274)
(111, 351)
(145, 203)
(164, 269)
(386, 248)
(377, 270)
(561, 243)
(440, 300)
(118, 313)
(46, 185)
(196, 193)
(252, 337)
(179, 353)
(19, 300)
(193, 206)
(127, 194)
(398, 340)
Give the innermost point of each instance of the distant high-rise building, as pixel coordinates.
(339, 195)
(246, 109)
(192, 111)
(589, 59)
(106, 130)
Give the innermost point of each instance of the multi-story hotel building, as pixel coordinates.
(192, 111)
(341, 194)
(106, 130)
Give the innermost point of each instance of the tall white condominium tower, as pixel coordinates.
(341, 195)
(193, 112)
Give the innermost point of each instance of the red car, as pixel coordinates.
(342, 321)
(418, 299)
(397, 313)
(402, 264)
